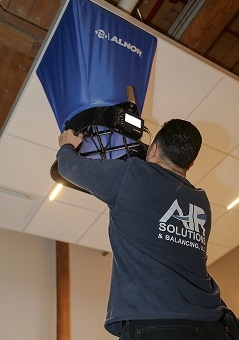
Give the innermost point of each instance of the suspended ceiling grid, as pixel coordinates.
(182, 85)
(209, 28)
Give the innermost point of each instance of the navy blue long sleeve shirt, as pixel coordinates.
(159, 228)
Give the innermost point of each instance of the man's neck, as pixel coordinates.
(172, 167)
(155, 156)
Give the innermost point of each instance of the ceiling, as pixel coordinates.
(194, 77)
(208, 27)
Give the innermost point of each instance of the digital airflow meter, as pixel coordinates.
(126, 122)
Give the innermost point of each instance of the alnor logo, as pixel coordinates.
(102, 35)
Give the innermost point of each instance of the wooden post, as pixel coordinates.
(63, 291)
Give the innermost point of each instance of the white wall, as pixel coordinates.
(90, 280)
(27, 287)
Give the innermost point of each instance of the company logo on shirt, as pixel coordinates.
(190, 231)
(102, 35)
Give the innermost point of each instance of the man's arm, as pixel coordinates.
(103, 178)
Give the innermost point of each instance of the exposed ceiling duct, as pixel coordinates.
(127, 5)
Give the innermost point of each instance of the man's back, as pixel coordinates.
(159, 227)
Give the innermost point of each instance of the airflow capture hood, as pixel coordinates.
(92, 59)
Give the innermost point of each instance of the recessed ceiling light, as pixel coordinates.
(55, 192)
(233, 204)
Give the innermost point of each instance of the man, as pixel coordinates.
(159, 228)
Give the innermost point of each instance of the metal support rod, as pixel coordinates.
(126, 146)
(103, 154)
(130, 94)
(116, 148)
(184, 19)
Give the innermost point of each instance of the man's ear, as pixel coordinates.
(152, 150)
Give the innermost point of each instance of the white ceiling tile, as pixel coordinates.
(235, 152)
(34, 120)
(217, 117)
(215, 252)
(61, 222)
(14, 207)
(222, 183)
(207, 159)
(182, 82)
(217, 211)
(81, 199)
(225, 231)
(25, 166)
(153, 128)
(97, 235)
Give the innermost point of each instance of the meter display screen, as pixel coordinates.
(132, 120)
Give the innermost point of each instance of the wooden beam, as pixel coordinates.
(14, 69)
(19, 34)
(208, 24)
(44, 12)
(4, 3)
(63, 291)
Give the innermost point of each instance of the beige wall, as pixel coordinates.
(28, 289)
(226, 272)
(90, 280)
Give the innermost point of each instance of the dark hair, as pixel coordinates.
(179, 141)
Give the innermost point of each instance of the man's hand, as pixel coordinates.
(68, 137)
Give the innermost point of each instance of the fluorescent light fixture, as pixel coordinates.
(233, 204)
(55, 192)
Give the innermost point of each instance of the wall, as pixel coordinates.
(225, 271)
(27, 287)
(90, 280)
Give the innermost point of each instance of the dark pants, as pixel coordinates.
(174, 330)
